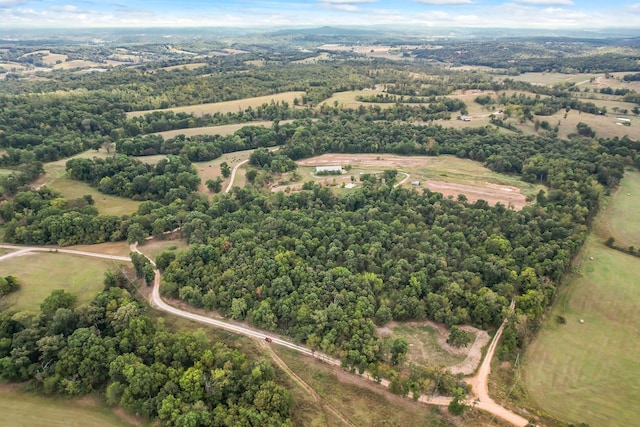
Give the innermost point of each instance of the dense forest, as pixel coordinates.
(112, 346)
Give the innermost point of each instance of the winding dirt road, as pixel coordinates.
(479, 382)
(232, 178)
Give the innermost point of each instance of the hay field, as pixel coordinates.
(193, 66)
(623, 219)
(76, 63)
(227, 106)
(214, 130)
(587, 372)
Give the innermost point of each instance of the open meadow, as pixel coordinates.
(586, 370)
(214, 130)
(56, 178)
(448, 175)
(40, 273)
(227, 106)
(20, 409)
(623, 217)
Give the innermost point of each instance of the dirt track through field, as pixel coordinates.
(509, 196)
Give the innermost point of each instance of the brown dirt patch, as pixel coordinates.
(492, 193)
(379, 160)
(111, 248)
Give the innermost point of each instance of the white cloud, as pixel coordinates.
(343, 5)
(444, 2)
(11, 3)
(547, 2)
(65, 9)
(347, 1)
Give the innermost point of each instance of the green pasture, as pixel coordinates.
(21, 409)
(40, 273)
(56, 178)
(586, 370)
(623, 215)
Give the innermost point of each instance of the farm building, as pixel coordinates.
(415, 182)
(328, 170)
(464, 118)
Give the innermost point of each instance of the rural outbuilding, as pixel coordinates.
(329, 170)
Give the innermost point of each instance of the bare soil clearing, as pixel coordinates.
(421, 351)
(475, 189)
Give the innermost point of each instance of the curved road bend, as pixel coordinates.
(479, 382)
(232, 177)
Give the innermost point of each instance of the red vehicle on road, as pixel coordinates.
(267, 339)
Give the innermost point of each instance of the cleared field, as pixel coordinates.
(324, 56)
(24, 409)
(211, 169)
(554, 78)
(424, 346)
(587, 372)
(155, 246)
(623, 218)
(193, 66)
(228, 106)
(55, 177)
(41, 273)
(604, 126)
(446, 174)
(12, 66)
(110, 248)
(76, 63)
(214, 130)
(348, 100)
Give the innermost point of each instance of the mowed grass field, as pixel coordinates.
(587, 372)
(227, 106)
(41, 273)
(55, 177)
(21, 409)
(624, 215)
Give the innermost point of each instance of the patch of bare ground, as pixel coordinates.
(473, 353)
(111, 248)
(493, 193)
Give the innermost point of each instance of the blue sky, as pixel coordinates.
(588, 14)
